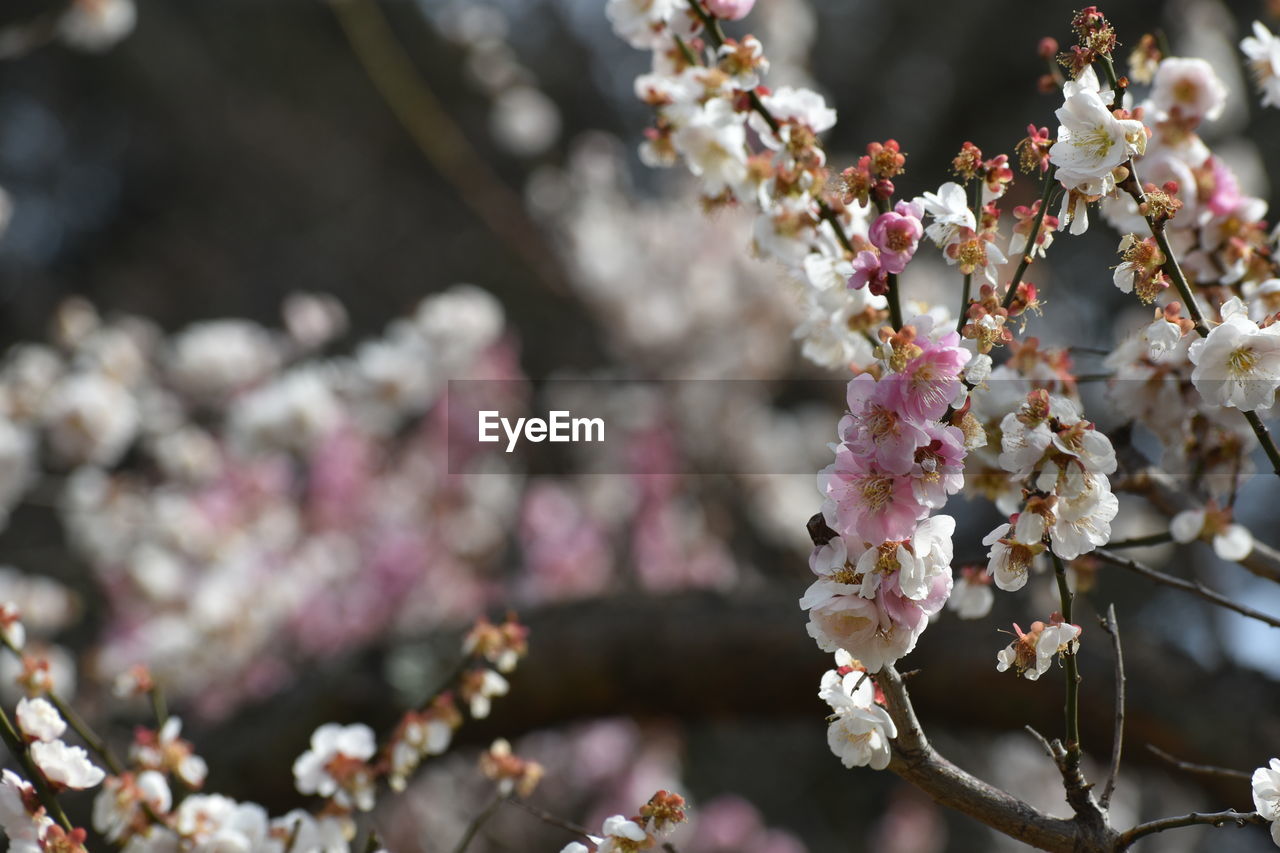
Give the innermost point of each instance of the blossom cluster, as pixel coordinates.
(710, 104)
(859, 729)
(136, 806)
(1062, 462)
(1167, 379)
(221, 481)
(883, 561)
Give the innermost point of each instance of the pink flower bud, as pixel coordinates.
(730, 10)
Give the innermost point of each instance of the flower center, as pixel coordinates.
(877, 492)
(898, 240)
(1242, 361)
(1096, 142)
(881, 423)
(846, 575)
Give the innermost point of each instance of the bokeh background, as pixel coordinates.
(227, 154)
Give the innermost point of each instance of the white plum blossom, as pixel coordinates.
(971, 597)
(325, 834)
(1084, 512)
(1091, 143)
(642, 23)
(861, 736)
(1262, 49)
(212, 360)
(97, 25)
(1014, 550)
(824, 328)
(11, 627)
(489, 685)
(17, 464)
(1237, 364)
(39, 720)
(215, 823)
(460, 323)
(168, 751)
(928, 557)
(949, 210)
(120, 802)
(66, 766)
(860, 731)
(1188, 89)
(1163, 339)
(805, 106)
(90, 418)
(979, 367)
(293, 412)
(1032, 654)
(1022, 446)
(1230, 541)
(1266, 795)
(713, 143)
(24, 830)
(620, 834)
(335, 765)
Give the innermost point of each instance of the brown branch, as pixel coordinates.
(1202, 769)
(1193, 587)
(582, 665)
(440, 139)
(549, 818)
(918, 763)
(1194, 819)
(473, 828)
(1112, 628)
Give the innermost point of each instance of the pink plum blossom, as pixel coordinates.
(867, 500)
(930, 381)
(896, 233)
(868, 272)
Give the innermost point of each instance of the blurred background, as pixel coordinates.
(213, 159)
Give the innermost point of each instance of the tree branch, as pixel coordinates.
(1110, 625)
(918, 763)
(1193, 587)
(1203, 769)
(1128, 837)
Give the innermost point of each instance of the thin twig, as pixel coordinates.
(975, 202)
(476, 822)
(158, 706)
(1070, 664)
(1193, 587)
(549, 818)
(440, 140)
(1046, 194)
(1044, 742)
(1194, 819)
(1112, 627)
(1141, 541)
(1202, 769)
